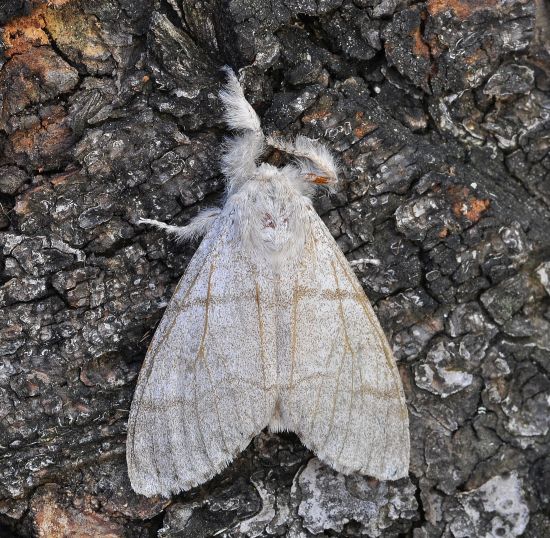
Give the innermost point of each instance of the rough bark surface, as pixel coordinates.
(439, 112)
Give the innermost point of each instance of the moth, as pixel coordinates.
(268, 327)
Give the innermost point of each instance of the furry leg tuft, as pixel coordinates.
(197, 227)
(238, 114)
(241, 152)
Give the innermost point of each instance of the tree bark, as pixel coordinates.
(438, 112)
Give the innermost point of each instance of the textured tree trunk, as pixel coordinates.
(439, 112)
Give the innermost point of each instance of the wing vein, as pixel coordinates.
(294, 333)
(313, 242)
(380, 335)
(336, 392)
(353, 361)
(261, 335)
(148, 369)
(319, 387)
(200, 354)
(399, 395)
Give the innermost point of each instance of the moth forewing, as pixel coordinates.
(202, 393)
(343, 394)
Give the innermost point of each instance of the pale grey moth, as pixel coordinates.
(268, 327)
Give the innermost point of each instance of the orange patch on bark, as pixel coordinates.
(364, 126)
(474, 57)
(315, 115)
(53, 520)
(22, 206)
(461, 8)
(475, 208)
(50, 136)
(23, 33)
(466, 205)
(34, 76)
(420, 48)
(68, 26)
(73, 30)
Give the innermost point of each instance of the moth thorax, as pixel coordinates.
(276, 235)
(273, 232)
(271, 220)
